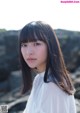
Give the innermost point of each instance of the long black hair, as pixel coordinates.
(38, 30)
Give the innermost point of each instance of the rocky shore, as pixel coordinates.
(10, 74)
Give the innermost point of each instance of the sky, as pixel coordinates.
(14, 14)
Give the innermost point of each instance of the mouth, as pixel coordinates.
(31, 59)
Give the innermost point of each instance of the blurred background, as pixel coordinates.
(64, 18)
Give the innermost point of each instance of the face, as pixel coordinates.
(35, 54)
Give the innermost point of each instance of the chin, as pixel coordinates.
(33, 67)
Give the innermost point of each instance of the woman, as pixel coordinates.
(52, 89)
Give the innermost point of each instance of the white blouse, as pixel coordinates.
(48, 98)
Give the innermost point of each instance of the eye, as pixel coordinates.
(37, 43)
(23, 45)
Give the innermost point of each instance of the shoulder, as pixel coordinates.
(57, 94)
(55, 90)
(36, 80)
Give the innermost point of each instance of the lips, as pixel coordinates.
(31, 59)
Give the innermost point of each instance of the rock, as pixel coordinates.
(4, 73)
(8, 52)
(71, 52)
(69, 41)
(77, 86)
(77, 93)
(15, 79)
(76, 81)
(10, 96)
(4, 86)
(18, 105)
(14, 100)
(78, 105)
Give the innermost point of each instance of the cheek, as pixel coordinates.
(43, 53)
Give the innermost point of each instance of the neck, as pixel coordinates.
(39, 70)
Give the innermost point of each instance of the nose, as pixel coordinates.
(29, 50)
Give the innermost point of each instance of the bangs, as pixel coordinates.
(31, 34)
